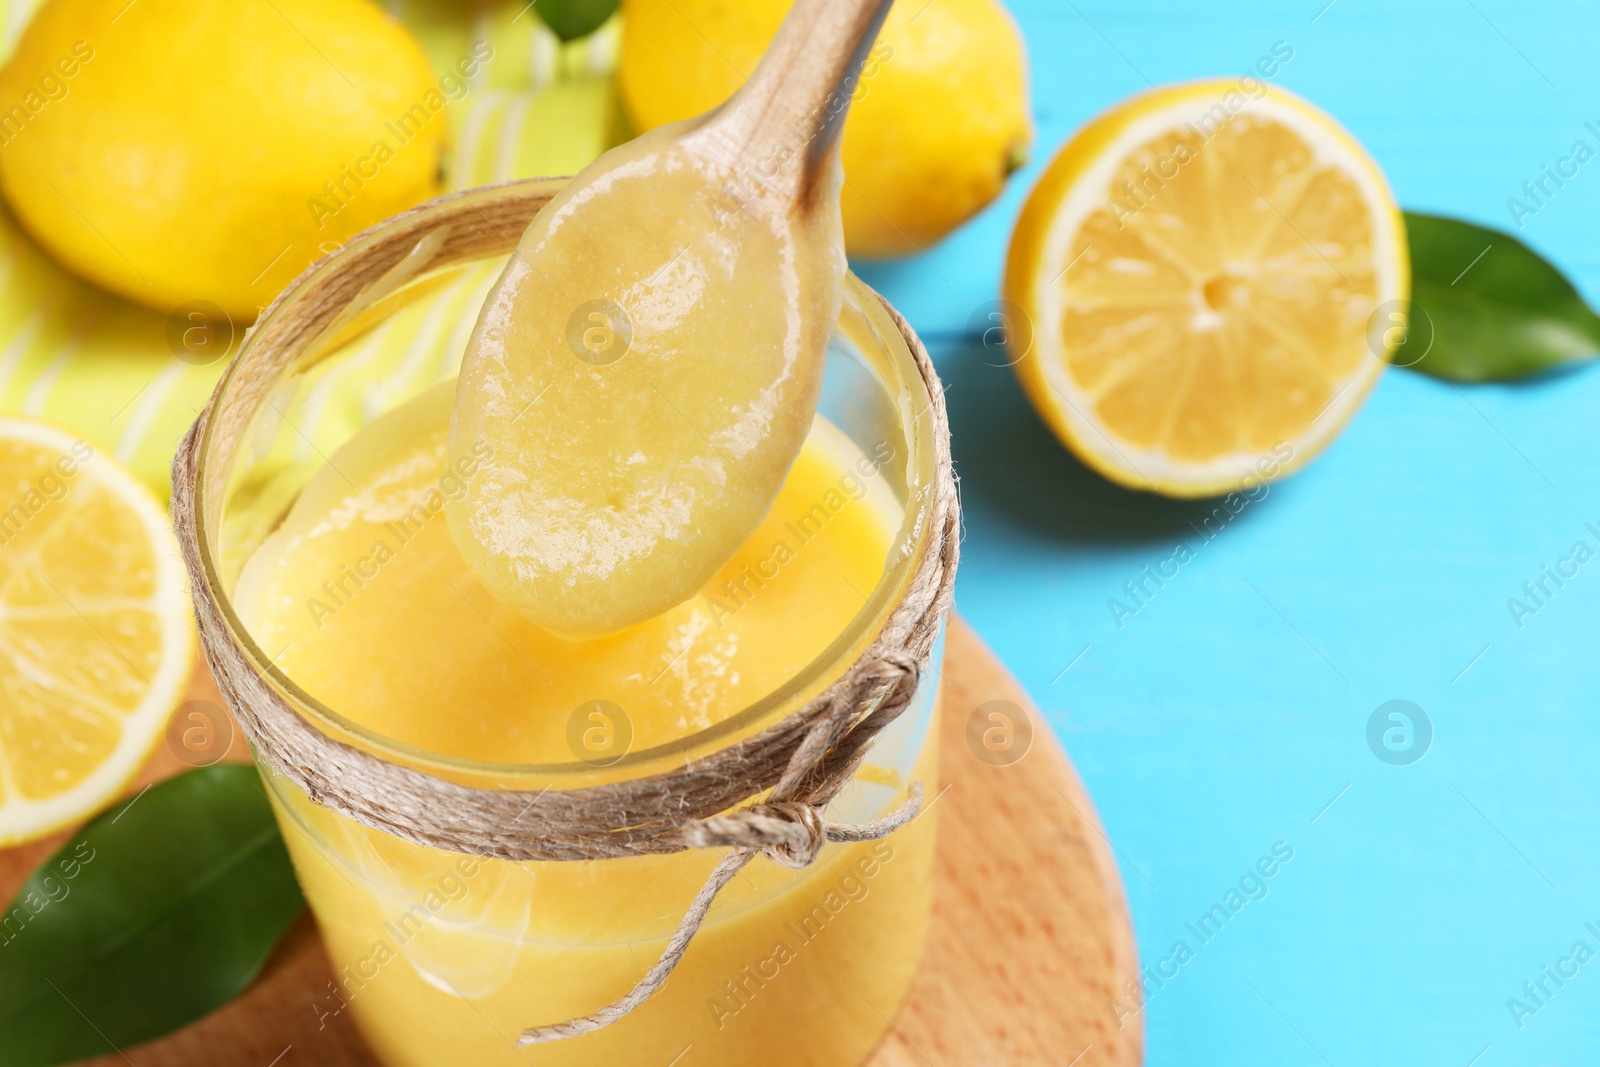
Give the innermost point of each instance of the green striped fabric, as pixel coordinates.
(103, 367)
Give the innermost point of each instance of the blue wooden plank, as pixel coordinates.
(1230, 712)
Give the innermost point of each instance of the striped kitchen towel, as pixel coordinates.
(106, 368)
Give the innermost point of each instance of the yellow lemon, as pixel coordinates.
(1199, 269)
(96, 637)
(209, 150)
(939, 120)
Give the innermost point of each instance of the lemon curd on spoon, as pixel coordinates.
(643, 375)
(645, 370)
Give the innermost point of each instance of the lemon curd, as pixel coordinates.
(366, 602)
(640, 381)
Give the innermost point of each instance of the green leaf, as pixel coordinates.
(1485, 307)
(571, 19)
(154, 914)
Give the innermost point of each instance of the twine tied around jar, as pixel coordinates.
(763, 795)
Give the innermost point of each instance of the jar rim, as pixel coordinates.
(908, 393)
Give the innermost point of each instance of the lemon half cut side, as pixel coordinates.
(1201, 266)
(96, 633)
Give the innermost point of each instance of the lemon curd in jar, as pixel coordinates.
(365, 602)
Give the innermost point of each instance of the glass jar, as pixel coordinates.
(444, 957)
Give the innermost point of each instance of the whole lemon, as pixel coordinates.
(939, 120)
(208, 150)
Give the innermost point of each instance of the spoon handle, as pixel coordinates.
(776, 132)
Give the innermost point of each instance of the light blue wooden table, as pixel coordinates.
(1231, 713)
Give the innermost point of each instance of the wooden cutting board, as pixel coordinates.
(1030, 941)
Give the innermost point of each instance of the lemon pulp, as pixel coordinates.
(1200, 269)
(96, 640)
(1255, 311)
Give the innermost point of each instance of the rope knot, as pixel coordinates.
(789, 832)
(898, 667)
(807, 834)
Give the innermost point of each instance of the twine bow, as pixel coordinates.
(769, 828)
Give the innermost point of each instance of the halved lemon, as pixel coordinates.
(96, 635)
(1206, 269)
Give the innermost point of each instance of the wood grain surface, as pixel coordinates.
(1030, 940)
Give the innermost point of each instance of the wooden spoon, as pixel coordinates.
(777, 131)
(624, 478)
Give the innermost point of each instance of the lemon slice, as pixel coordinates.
(1199, 267)
(96, 635)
